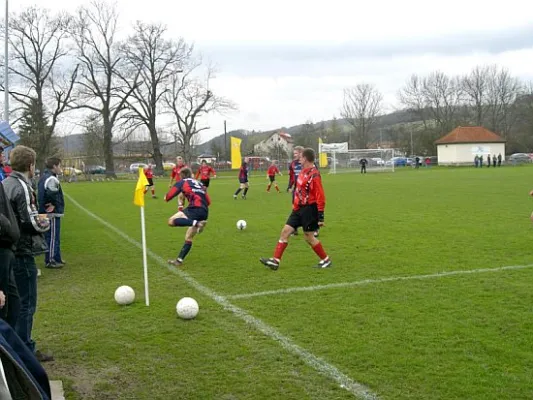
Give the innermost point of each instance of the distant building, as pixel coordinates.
(282, 141)
(207, 157)
(461, 145)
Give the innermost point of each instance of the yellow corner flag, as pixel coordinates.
(323, 157)
(235, 152)
(138, 198)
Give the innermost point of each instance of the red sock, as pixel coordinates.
(268, 188)
(319, 250)
(153, 192)
(280, 248)
(277, 188)
(145, 191)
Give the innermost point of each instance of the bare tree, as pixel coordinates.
(100, 88)
(361, 108)
(503, 92)
(412, 97)
(476, 87)
(444, 97)
(188, 100)
(154, 59)
(43, 86)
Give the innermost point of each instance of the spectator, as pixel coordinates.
(494, 160)
(9, 236)
(51, 202)
(500, 160)
(5, 169)
(32, 226)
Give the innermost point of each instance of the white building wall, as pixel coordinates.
(266, 145)
(465, 152)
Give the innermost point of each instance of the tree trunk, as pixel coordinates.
(158, 157)
(108, 150)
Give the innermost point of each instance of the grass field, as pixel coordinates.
(357, 329)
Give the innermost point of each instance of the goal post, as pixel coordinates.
(377, 160)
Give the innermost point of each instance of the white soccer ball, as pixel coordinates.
(187, 308)
(124, 295)
(241, 224)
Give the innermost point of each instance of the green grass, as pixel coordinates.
(453, 337)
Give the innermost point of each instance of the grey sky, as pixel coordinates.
(284, 62)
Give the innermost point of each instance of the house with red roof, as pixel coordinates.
(461, 145)
(280, 140)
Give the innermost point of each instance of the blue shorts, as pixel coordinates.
(196, 213)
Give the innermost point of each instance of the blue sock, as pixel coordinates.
(238, 191)
(245, 191)
(185, 250)
(183, 222)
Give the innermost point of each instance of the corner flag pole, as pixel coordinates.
(145, 261)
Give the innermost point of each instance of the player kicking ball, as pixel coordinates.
(307, 212)
(194, 216)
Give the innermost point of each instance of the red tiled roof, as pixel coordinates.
(470, 134)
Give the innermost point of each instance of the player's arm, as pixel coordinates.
(51, 188)
(207, 198)
(172, 175)
(318, 191)
(174, 191)
(213, 172)
(197, 174)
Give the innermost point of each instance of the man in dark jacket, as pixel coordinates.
(32, 227)
(9, 236)
(51, 202)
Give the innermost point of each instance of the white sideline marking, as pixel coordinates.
(369, 281)
(357, 389)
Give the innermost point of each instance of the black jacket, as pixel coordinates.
(20, 193)
(9, 229)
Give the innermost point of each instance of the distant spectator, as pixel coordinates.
(481, 161)
(500, 160)
(5, 169)
(31, 242)
(476, 160)
(363, 162)
(494, 160)
(428, 162)
(73, 177)
(488, 161)
(417, 162)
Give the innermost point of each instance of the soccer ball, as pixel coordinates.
(187, 308)
(124, 295)
(241, 224)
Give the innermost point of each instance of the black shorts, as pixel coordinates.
(242, 181)
(306, 217)
(205, 182)
(150, 182)
(196, 213)
(272, 178)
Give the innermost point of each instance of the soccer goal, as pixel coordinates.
(377, 160)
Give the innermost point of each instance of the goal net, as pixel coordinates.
(377, 160)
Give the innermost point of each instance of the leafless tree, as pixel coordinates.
(361, 108)
(412, 97)
(100, 88)
(444, 98)
(503, 92)
(154, 59)
(42, 81)
(476, 86)
(188, 100)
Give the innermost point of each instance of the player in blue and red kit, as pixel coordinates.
(194, 216)
(294, 170)
(243, 180)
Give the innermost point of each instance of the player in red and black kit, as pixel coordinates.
(194, 216)
(175, 177)
(307, 212)
(204, 173)
(243, 180)
(149, 173)
(272, 171)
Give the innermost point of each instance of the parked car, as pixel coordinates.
(397, 161)
(95, 169)
(167, 166)
(134, 168)
(67, 171)
(519, 158)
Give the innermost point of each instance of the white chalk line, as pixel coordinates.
(371, 281)
(357, 389)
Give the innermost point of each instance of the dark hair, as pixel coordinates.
(309, 154)
(186, 173)
(52, 162)
(204, 161)
(21, 158)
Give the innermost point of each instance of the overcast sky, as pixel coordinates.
(285, 62)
